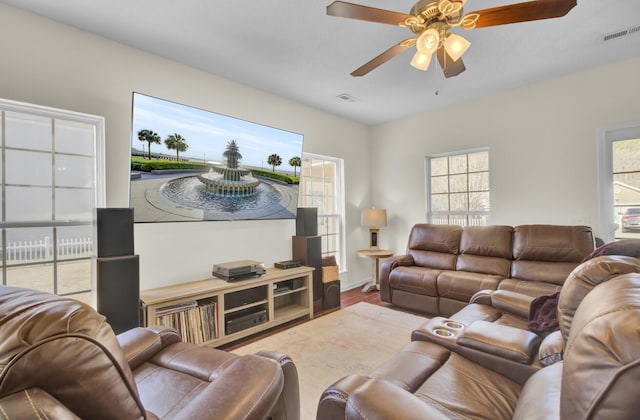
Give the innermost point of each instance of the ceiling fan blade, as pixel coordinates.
(450, 68)
(371, 14)
(524, 12)
(384, 57)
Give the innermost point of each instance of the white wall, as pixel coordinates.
(542, 141)
(50, 64)
(543, 153)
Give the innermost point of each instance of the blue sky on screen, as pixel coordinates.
(207, 133)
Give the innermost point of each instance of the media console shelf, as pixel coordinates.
(214, 312)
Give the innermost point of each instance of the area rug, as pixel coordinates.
(355, 339)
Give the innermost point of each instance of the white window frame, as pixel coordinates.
(605, 138)
(99, 173)
(430, 214)
(339, 215)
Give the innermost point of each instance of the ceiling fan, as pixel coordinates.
(430, 21)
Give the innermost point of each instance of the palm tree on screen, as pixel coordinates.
(149, 136)
(274, 160)
(178, 143)
(295, 162)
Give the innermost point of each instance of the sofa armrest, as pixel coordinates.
(512, 302)
(333, 401)
(387, 265)
(231, 396)
(141, 344)
(379, 399)
(551, 349)
(288, 406)
(504, 300)
(482, 297)
(500, 340)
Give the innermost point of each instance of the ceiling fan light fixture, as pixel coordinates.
(421, 60)
(456, 45)
(428, 41)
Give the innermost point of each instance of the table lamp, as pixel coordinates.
(375, 219)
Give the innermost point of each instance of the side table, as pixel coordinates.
(374, 254)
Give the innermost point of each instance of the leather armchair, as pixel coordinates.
(60, 359)
(596, 379)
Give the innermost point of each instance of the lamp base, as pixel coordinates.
(373, 238)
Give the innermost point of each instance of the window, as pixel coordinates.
(619, 159)
(458, 188)
(321, 186)
(50, 175)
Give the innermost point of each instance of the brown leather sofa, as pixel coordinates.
(596, 378)
(512, 309)
(445, 265)
(60, 359)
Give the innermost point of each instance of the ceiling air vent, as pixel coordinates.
(621, 33)
(346, 97)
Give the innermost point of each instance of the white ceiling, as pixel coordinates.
(291, 48)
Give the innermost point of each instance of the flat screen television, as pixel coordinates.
(189, 164)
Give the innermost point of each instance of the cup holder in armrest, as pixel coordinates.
(439, 330)
(442, 332)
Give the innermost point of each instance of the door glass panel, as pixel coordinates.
(74, 276)
(28, 168)
(74, 204)
(26, 131)
(29, 245)
(75, 137)
(28, 204)
(626, 187)
(75, 171)
(39, 277)
(75, 242)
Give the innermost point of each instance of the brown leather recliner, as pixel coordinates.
(597, 377)
(60, 359)
(512, 309)
(496, 332)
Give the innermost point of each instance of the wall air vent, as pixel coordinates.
(621, 33)
(346, 97)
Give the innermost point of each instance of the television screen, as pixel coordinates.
(188, 164)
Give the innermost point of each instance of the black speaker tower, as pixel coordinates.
(117, 269)
(307, 246)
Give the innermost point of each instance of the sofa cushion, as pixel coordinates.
(412, 365)
(529, 287)
(486, 249)
(434, 246)
(461, 285)
(552, 243)
(546, 254)
(415, 279)
(540, 397)
(470, 390)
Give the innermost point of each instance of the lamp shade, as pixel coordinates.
(421, 60)
(427, 41)
(374, 217)
(456, 46)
